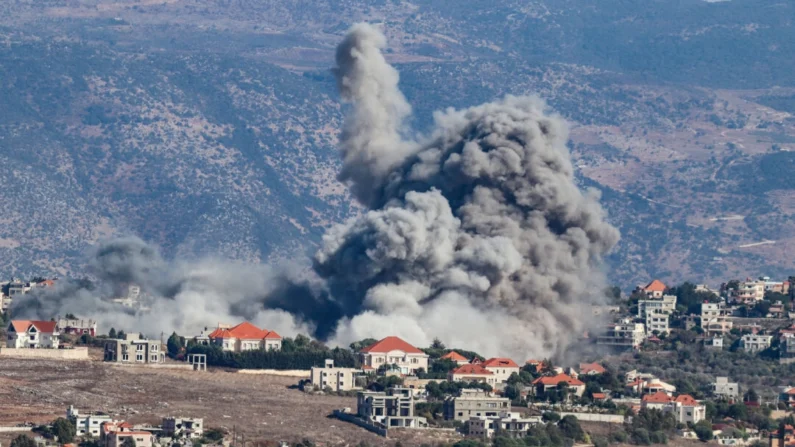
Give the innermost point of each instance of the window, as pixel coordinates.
(139, 347)
(125, 357)
(153, 358)
(139, 358)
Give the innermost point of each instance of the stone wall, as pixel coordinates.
(77, 353)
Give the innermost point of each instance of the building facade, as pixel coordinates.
(472, 372)
(624, 334)
(722, 388)
(505, 424)
(191, 428)
(755, 343)
(474, 403)
(134, 349)
(77, 327)
(394, 408)
(748, 292)
(393, 351)
(338, 379)
(501, 368)
(243, 337)
(29, 334)
(657, 323)
(664, 304)
(89, 424)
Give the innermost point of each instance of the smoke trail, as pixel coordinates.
(476, 234)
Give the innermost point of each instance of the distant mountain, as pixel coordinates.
(208, 127)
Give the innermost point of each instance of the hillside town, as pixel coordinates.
(400, 386)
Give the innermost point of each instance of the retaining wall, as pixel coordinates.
(349, 417)
(302, 373)
(78, 353)
(596, 417)
(152, 365)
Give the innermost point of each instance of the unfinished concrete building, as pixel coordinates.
(394, 408)
(472, 403)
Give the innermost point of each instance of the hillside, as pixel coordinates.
(208, 127)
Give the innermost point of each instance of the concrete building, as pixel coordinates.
(5, 303)
(547, 383)
(714, 319)
(655, 289)
(755, 343)
(243, 337)
(140, 438)
(88, 423)
(664, 304)
(624, 334)
(472, 372)
(505, 424)
(714, 342)
(28, 334)
(77, 326)
(191, 428)
(338, 379)
(394, 351)
(684, 408)
(134, 349)
(502, 368)
(722, 388)
(474, 403)
(748, 292)
(657, 323)
(395, 408)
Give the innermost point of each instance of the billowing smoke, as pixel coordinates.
(475, 233)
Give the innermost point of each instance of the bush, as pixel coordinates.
(550, 416)
(618, 437)
(703, 430)
(64, 430)
(570, 427)
(640, 436)
(23, 441)
(304, 358)
(658, 437)
(599, 441)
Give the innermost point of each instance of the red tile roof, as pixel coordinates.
(47, 327)
(534, 362)
(500, 362)
(657, 398)
(390, 344)
(244, 331)
(471, 370)
(554, 380)
(599, 396)
(454, 356)
(655, 286)
(686, 399)
(595, 368)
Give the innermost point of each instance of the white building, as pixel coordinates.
(714, 319)
(657, 323)
(192, 428)
(394, 351)
(506, 424)
(502, 368)
(32, 334)
(755, 343)
(665, 304)
(623, 334)
(748, 292)
(243, 337)
(725, 389)
(684, 408)
(338, 379)
(89, 423)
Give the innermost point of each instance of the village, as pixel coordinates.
(591, 398)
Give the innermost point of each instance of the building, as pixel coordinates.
(474, 403)
(714, 319)
(787, 395)
(29, 334)
(656, 401)
(134, 349)
(455, 357)
(472, 372)
(394, 351)
(336, 378)
(684, 408)
(591, 369)
(394, 408)
(755, 343)
(722, 388)
(748, 292)
(714, 342)
(77, 327)
(5, 303)
(192, 428)
(547, 383)
(244, 337)
(657, 323)
(786, 347)
(665, 304)
(89, 424)
(655, 289)
(141, 438)
(624, 334)
(505, 424)
(502, 368)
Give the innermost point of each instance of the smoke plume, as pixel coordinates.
(475, 233)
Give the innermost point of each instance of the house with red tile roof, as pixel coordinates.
(394, 351)
(656, 401)
(245, 337)
(547, 383)
(472, 373)
(655, 289)
(501, 367)
(684, 407)
(456, 357)
(32, 334)
(591, 369)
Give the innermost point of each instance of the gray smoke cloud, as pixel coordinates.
(475, 233)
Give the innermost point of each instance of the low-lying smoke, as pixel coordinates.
(476, 234)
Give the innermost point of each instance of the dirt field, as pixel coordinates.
(260, 407)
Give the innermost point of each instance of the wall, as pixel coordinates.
(77, 353)
(302, 373)
(186, 366)
(349, 417)
(597, 417)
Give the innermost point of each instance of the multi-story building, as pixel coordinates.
(624, 334)
(32, 334)
(134, 349)
(657, 323)
(786, 346)
(473, 403)
(755, 343)
(714, 319)
(505, 424)
(114, 435)
(684, 408)
(748, 292)
(394, 351)
(5, 303)
(655, 289)
(77, 326)
(547, 383)
(665, 304)
(243, 337)
(336, 378)
(88, 424)
(191, 428)
(394, 408)
(502, 368)
(722, 388)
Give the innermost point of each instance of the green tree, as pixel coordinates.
(361, 344)
(703, 430)
(550, 416)
(174, 345)
(570, 427)
(214, 435)
(70, 316)
(112, 333)
(437, 344)
(65, 430)
(23, 441)
(511, 392)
